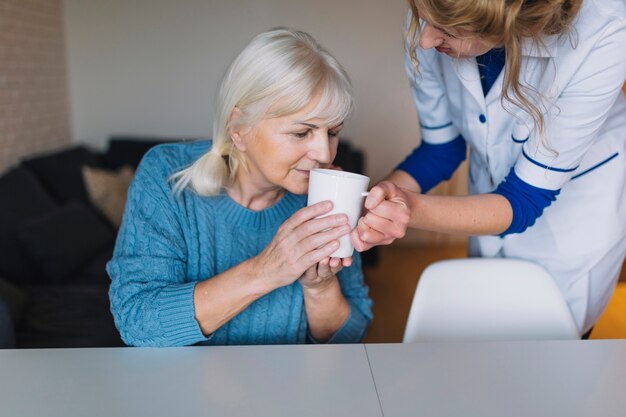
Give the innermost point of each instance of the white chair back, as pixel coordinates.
(481, 299)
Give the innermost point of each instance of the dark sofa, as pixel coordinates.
(55, 244)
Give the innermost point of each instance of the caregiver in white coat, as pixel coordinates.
(534, 88)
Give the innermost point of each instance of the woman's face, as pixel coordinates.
(454, 43)
(281, 151)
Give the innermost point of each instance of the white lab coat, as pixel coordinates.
(581, 237)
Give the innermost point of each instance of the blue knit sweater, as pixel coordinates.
(166, 244)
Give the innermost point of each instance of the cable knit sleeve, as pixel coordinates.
(356, 292)
(151, 301)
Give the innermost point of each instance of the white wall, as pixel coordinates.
(152, 66)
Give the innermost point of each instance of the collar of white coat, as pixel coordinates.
(545, 49)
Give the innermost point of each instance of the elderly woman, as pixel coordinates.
(216, 245)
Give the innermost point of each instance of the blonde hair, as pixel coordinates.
(503, 22)
(278, 73)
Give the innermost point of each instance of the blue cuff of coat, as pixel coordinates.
(430, 164)
(527, 201)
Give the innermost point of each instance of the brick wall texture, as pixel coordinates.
(33, 86)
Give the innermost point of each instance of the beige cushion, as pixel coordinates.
(107, 190)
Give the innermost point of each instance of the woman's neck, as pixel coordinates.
(248, 193)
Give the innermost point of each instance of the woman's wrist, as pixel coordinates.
(417, 206)
(404, 180)
(328, 297)
(261, 281)
(327, 310)
(321, 290)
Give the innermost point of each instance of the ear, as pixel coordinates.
(236, 130)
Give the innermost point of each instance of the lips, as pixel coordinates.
(442, 49)
(304, 172)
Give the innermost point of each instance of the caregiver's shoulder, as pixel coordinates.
(608, 10)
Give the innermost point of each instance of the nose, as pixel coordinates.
(430, 37)
(320, 147)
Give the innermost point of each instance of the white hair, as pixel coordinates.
(283, 69)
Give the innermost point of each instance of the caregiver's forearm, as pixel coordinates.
(404, 180)
(484, 214)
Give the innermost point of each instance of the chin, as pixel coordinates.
(299, 188)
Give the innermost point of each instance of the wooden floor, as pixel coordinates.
(392, 284)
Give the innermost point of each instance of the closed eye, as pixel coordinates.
(445, 32)
(333, 132)
(302, 134)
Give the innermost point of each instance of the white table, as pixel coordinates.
(526, 379)
(294, 381)
(505, 379)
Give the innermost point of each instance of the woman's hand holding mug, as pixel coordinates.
(301, 242)
(386, 219)
(318, 276)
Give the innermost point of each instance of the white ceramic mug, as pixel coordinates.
(347, 191)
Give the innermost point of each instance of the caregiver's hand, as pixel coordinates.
(386, 218)
(300, 243)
